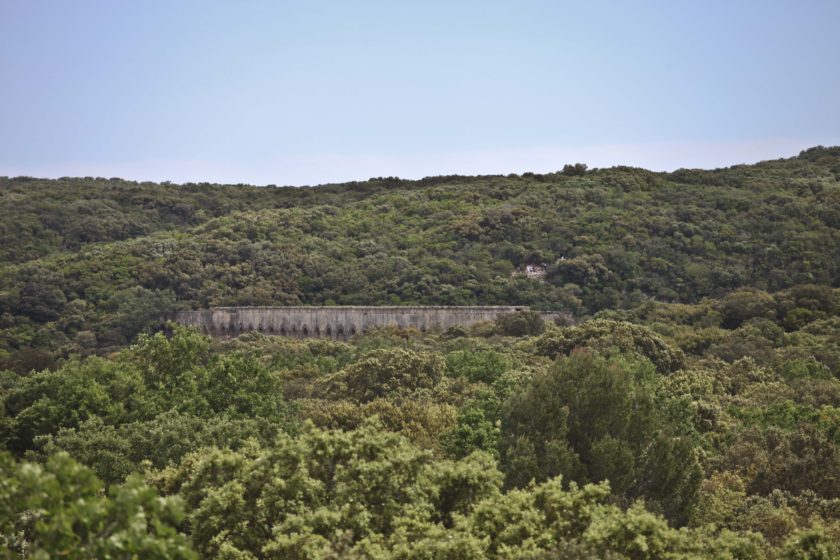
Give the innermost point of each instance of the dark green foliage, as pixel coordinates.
(574, 170)
(590, 419)
(787, 447)
(130, 312)
(520, 323)
(805, 304)
(41, 298)
(743, 305)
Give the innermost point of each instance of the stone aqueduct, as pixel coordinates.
(336, 322)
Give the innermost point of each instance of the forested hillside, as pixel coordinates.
(88, 262)
(690, 408)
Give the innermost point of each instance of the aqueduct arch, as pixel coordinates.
(334, 321)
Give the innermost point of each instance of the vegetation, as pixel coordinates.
(685, 402)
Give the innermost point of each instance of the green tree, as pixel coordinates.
(390, 372)
(477, 365)
(158, 375)
(368, 493)
(478, 427)
(742, 305)
(46, 401)
(593, 419)
(301, 497)
(115, 452)
(574, 170)
(58, 510)
(611, 337)
(520, 323)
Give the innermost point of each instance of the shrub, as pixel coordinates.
(520, 323)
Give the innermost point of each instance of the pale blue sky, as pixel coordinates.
(310, 92)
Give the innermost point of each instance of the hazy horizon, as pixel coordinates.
(157, 177)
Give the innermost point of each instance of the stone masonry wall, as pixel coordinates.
(334, 321)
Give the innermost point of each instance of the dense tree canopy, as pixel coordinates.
(86, 264)
(680, 400)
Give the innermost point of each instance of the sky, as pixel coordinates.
(301, 93)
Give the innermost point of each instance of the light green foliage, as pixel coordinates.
(785, 520)
(424, 422)
(610, 337)
(764, 433)
(166, 361)
(210, 423)
(389, 371)
(114, 452)
(477, 365)
(455, 487)
(811, 544)
(370, 494)
(58, 510)
(301, 496)
(156, 401)
(46, 401)
(181, 374)
(719, 500)
(479, 426)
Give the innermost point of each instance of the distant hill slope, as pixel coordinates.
(86, 263)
